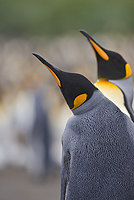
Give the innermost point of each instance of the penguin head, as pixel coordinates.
(75, 88)
(111, 65)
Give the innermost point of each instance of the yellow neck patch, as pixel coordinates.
(100, 51)
(79, 100)
(55, 76)
(128, 71)
(113, 93)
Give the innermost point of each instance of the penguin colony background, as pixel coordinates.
(98, 140)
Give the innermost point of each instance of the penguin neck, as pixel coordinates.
(90, 104)
(126, 86)
(102, 80)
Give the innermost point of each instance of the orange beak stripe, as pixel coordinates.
(100, 51)
(55, 76)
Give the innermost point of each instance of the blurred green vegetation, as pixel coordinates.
(50, 17)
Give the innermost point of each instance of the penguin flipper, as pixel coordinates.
(64, 173)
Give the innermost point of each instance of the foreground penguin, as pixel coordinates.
(98, 143)
(115, 77)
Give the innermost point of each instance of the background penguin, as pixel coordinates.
(115, 77)
(98, 143)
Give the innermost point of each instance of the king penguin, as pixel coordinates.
(97, 143)
(114, 77)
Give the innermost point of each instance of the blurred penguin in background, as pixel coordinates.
(98, 142)
(114, 77)
(39, 140)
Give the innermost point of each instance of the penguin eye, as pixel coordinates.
(80, 99)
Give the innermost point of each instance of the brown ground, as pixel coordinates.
(16, 185)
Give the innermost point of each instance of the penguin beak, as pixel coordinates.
(50, 67)
(96, 47)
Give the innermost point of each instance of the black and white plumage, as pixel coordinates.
(98, 143)
(98, 153)
(114, 77)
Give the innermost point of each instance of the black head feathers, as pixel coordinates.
(111, 65)
(75, 88)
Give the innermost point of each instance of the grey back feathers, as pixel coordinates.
(98, 153)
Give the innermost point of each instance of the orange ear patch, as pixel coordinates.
(128, 71)
(55, 76)
(80, 99)
(100, 51)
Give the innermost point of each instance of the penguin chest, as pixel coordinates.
(113, 93)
